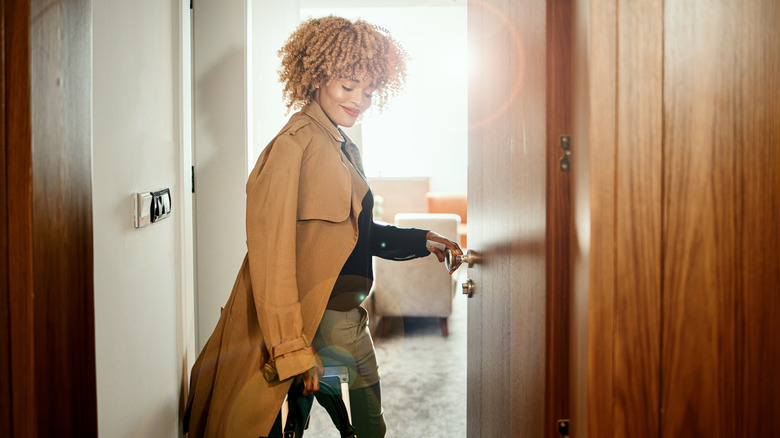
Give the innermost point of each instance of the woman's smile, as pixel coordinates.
(344, 99)
(353, 112)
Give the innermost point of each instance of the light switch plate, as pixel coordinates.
(161, 204)
(143, 209)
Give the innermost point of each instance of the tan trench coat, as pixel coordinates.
(301, 227)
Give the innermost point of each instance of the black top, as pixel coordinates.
(385, 241)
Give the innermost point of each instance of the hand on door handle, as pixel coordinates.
(453, 261)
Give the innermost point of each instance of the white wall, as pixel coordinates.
(272, 23)
(142, 287)
(238, 109)
(220, 152)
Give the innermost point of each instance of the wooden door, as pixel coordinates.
(678, 202)
(518, 218)
(17, 346)
(721, 219)
(47, 348)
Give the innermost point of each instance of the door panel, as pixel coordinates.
(722, 232)
(507, 158)
(593, 192)
(637, 311)
(679, 212)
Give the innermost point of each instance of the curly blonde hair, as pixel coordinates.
(333, 47)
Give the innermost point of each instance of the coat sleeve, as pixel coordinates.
(272, 199)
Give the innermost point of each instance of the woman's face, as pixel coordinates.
(343, 99)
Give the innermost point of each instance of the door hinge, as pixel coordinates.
(565, 161)
(563, 428)
(193, 179)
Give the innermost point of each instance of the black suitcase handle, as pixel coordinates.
(329, 397)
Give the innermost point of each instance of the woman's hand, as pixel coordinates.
(449, 244)
(311, 378)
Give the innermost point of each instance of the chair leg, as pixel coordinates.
(444, 331)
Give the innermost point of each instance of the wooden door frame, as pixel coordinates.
(16, 268)
(47, 348)
(559, 217)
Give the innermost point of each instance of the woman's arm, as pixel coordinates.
(272, 197)
(393, 243)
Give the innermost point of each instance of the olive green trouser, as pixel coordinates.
(367, 418)
(343, 338)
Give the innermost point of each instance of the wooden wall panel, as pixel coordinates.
(400, 195)
(5, 324)
(581, 217)
(722, 231)
(602, 165)
(61, 62)
(637, 316)
(18, 212)
(684, 254)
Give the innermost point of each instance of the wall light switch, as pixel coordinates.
(151, 207)
(161, 204)
(143, 209)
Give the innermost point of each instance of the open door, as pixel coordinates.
(518, 218)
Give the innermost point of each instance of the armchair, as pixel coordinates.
(419, 287)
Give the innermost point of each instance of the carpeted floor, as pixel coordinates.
(423, 379)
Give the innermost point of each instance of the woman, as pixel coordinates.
(310, 238)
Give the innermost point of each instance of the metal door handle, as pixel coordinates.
(453, 261)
